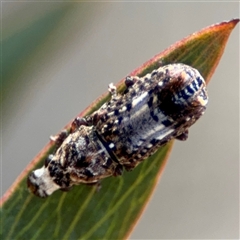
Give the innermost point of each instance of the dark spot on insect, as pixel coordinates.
(98, 158)
(87, 140)
(81, 162)
(124, 150)
(106, 117)
(150, 102)
(200, 82)
(108, 163)
(116, 112)
(154, 141)
(120, 120)
(115, 131)
(163, 142)
(154, 73)
(88, 173)
(184, 95)
(118, 170)
(65, 182)
(166, 80)
(190, 90)
(139, 82)
(129, 140)
(183, 136)
(67, 175)
(167, 123)
(146, 79)
(142, 88)
(142, 153)
(155, 118)
(195, 85)
(74, 152)
(59, 175)
(167, 104)
(61, 179)
(129, 81)
(109, 125)
(57, 181)
(203, 95)
(129, 106)
(51, 170)
(151, 91)
(131, 160)
(119, 103)
(133, 93)
(179, 78)
(47, 160)
(190, 74)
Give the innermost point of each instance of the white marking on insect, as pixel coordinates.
(140, 142)
(111, 114)
(149, 145)
(111, 145)
(39, 172)
(163, 135)
(139, 99)
(123, 109)
(154, 131)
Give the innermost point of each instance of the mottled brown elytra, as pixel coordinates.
(126, 130)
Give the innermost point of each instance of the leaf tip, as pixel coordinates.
(232, 23)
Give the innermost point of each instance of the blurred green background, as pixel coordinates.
(57, 57)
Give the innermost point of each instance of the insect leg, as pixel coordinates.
(77, 122)
(183, 136)
(129, 81)
(113, 91)
(58, 139)
(97, 185)
(118, 170)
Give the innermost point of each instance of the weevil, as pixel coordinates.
(124, 131)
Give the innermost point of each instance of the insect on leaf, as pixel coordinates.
(112, 212)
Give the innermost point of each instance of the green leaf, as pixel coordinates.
(111, 213)
(19, 45)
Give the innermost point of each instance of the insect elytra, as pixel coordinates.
(123, 132)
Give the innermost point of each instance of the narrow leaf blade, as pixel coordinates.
(112, 212)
